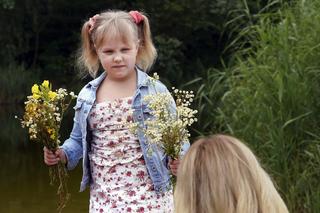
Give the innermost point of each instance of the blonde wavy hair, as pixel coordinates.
(113, 24)
(219, 174)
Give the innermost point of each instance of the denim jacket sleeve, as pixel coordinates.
(73, 146)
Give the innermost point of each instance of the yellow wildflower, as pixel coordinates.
(52, 136)
(35, 89)
(52, 95)
(45, 84)
(36, 96)
(49, 130)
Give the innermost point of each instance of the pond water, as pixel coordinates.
(24, 180)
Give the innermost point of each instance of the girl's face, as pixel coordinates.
(118, 58)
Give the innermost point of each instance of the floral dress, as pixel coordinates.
(120, 181)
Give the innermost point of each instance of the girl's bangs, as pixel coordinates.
(115, 29)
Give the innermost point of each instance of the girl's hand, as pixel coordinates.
(173, 165)
(51, 158)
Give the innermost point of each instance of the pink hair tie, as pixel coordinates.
(137, 17)
(92, 22)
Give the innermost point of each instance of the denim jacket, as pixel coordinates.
(78, 144)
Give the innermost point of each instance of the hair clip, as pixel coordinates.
(92, 22)
(137, 17)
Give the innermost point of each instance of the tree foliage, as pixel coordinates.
(44, 34)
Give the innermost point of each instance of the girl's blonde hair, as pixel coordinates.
(114, 24)
(219, 174)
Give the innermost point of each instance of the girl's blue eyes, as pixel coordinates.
(111, 51)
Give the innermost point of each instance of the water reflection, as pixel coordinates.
(24, 181)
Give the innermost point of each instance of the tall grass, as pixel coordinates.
(272, 100)
(209, 89)
(15, 83)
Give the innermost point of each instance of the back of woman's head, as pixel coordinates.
(111, 24)
(219, 174)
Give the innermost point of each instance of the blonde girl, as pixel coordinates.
(122, 175)
(219, 174)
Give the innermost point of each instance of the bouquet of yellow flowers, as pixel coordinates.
(44, 110)
(168, 127)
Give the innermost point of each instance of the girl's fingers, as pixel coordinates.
(49, 153)
(49, 162)
(50, 158)
(174, 171)
(174, 164)
(57, 153)
(45, 149)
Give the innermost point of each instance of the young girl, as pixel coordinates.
(219, 174)
(122, 175)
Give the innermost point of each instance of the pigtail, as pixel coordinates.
(147, 52)
(87, 59)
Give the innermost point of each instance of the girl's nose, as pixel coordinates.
(117, 59)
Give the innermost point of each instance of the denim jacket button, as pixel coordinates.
(139, 117)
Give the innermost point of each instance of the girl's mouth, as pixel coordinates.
(118, 66)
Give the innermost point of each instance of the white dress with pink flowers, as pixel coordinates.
(120, 182)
